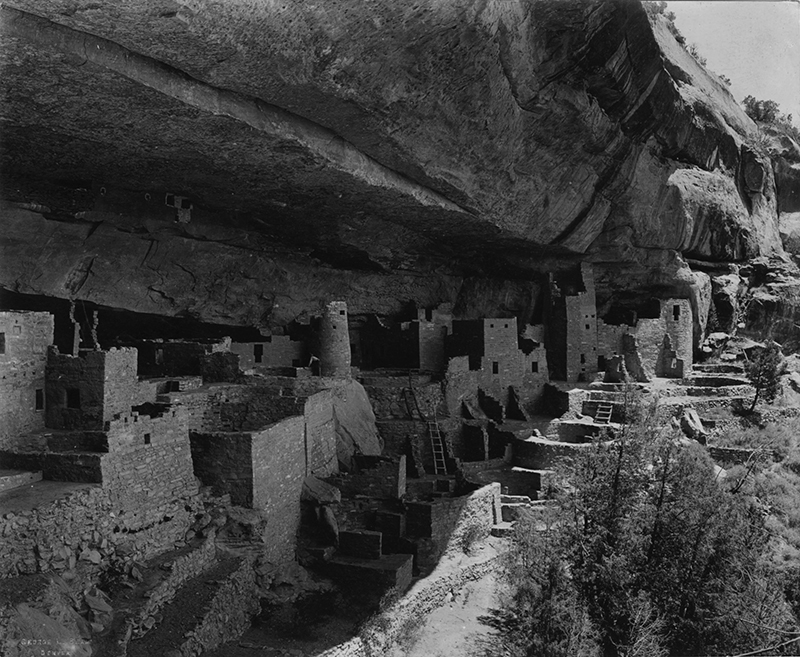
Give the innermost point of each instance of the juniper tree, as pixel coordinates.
(764, 372)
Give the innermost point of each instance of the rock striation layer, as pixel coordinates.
(243, 163)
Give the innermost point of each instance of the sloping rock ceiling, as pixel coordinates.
(381, 152)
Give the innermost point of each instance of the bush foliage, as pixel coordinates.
(648, 553)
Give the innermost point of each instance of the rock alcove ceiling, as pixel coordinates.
(383, 153)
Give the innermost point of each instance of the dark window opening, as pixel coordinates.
(601, 363)
(258, 352)
(676, 313)
(39, 399)
(583, 359)
(186, 204)
(147, 439)
(159, 356)
(73, 398)
(491, 325)
(495, 367)
(170, 200)
(587, 327)
(534, 366)
(341, 312)
(505, 325)
(429, 314)
(2, 343)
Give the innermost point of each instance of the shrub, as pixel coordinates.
(764, 372)
(652, 552)
(472, 534)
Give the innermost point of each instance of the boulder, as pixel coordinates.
(356, 431)
(692, 425)
(319, 492)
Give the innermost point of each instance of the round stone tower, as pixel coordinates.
(334, 341)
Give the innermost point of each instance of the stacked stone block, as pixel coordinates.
(24, 338)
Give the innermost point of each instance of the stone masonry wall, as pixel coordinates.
(25, 338)
(276, 351)
(430, 593)
(230, 614)
(385, 478)
(85, 391)
(582, 330)
(86, 525)
(675, 320)
(226, 407)
(442, 524)
(279, 468)
(223, 460)
(121, 382)
(82, 378)
(149, 463)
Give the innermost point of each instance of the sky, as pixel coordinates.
(755, 43)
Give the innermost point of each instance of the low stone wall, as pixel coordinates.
(184, 568)
(384, 479)
(230, 614)
(729, 456)
(85, 525)
(440, 526)
(424, 598)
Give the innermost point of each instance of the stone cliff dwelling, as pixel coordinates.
(299, 300)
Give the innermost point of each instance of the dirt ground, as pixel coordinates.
(452, 630)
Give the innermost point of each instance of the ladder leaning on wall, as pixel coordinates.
(434, 433)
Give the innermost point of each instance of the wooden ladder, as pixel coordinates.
(434, 432)
(603, 413)
(437, 445)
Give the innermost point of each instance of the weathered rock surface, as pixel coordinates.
(380, 153)
(356, 431)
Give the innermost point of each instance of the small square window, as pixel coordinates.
(495, 367)
(587, 327)
(491, 325)
(73, 398)
(16, 330)
(147, 439)
(505, 325)
(341, 312)
(39, 399)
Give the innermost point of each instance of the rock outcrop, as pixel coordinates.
(243, 164)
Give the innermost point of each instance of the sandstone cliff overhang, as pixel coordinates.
(496, 138)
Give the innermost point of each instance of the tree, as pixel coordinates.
(764, 372)
(763, 111)
(694, 52)
(652, 552)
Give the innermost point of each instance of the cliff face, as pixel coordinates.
(379, 152)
